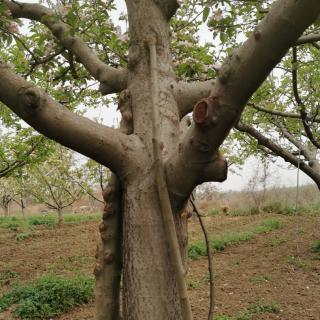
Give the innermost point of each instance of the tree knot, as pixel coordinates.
(29, 97)
(108, 257)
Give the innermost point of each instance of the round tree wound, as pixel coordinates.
(200, 112)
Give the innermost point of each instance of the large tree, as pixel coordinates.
(156, 155)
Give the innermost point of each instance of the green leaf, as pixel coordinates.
(205, 14)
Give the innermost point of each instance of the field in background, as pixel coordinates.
(266, 260)
(254, 199)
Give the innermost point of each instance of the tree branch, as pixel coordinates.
(304, 149)
(188, 93)
(105, 145)
(283, 114)
(299, 101)
(284, 154)
(240, 76)
(310, 38)
(111, 79)
(168, 7)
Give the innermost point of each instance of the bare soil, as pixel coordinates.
(277, 267)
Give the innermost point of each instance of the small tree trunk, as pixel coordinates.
(108, 264)
(22, 204)
(60, 217)
(7, 209)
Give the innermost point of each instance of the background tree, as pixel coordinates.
(92, 178)
(51, 182)
(19, 148)
(149, 88)
(7, 194)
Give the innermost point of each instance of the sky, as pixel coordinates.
(279, 173)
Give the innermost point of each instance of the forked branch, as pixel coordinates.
(196, 90)
(105, 145)
(239, 77)
(111, 79)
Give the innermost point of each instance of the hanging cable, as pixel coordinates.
(298, 170)
(209, 255)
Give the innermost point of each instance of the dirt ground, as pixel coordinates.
(277, 267)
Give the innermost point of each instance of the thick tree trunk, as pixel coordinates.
(150, 288)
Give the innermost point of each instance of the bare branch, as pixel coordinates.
(299, 101)
(284, 154)
(240, 76)
(310, 38)
(283, 114)
(308, 154)
(111, 79)
(44, 60)
(105, 145)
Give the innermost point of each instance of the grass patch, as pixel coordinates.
(245, 211)
(24, 235)
(198, 248)
(259, 307)
(296, 262)
(7, 277)
(277, 241)
(286, 209)
(48, 297)
(48, 220)
(193, 284)
(214, 212)
(11, 223)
